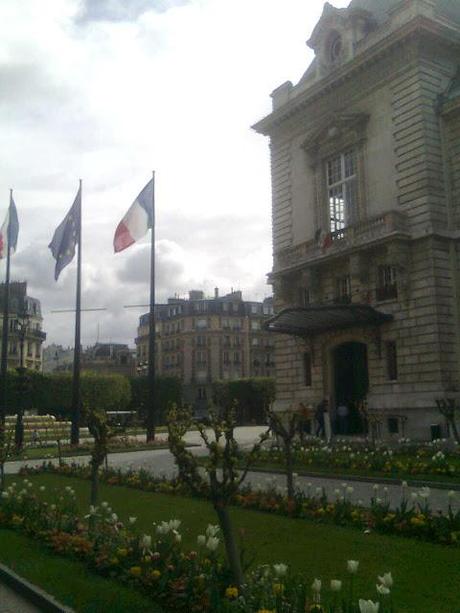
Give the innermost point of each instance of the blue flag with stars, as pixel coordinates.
(66, 236)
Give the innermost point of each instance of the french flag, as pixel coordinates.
(9, 231)
(137, 220)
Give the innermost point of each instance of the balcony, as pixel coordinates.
(359, 235)
(38, 334)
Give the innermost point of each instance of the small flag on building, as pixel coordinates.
(137, 220)
(67, 236)
(9, 231)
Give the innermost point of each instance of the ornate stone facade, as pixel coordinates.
(365, 160)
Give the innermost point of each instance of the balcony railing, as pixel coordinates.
(356, 235)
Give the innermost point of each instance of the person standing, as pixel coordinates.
(342, 418)
(321, 409)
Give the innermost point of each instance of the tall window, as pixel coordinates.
(387, 287)
(341, 185)
(392, 361)
(343, 290)
(307, 369)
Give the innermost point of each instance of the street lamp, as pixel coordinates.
(23, 324)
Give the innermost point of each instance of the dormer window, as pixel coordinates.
(334, 47)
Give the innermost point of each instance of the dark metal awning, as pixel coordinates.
(311, 320)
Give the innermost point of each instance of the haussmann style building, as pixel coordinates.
(25, 323)
(201, 340)
(365, 162)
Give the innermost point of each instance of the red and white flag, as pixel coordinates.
(137, 220)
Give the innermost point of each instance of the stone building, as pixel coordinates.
(109, 359)
(365, 160)
(201, 340)
(25, 327)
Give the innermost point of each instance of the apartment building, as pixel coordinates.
(201, 340)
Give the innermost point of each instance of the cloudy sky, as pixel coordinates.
(109, 90)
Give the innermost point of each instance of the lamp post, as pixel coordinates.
(22, 330)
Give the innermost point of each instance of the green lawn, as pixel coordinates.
(427, 577)
(67, 580)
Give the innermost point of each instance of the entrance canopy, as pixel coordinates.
(314, 319)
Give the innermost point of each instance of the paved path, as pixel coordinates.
(160, 462)
(11, 602)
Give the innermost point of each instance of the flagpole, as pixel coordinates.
(150, 421)
(5, 328)
(76, 393)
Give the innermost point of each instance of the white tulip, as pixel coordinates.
(280, 569)
(201, 540)
(212, 530)
(386, 580)
(174, 524)
(132, 520)
(352, 566)
(212, 543)
(367, 606)
(382, 589)
(146, 541)
(316, 586)
(336, 585)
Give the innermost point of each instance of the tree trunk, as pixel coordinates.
(231, 547)
(94, 485)
(289, 470)
(2, 477)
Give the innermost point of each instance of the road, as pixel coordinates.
(161, 463)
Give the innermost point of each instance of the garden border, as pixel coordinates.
(30, 592)
(441, 485)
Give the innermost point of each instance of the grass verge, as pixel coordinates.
(68, 580)
(427, 576)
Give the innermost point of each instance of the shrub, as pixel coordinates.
(252, 396)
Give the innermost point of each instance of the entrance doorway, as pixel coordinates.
(351, 383)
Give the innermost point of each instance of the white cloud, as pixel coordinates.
(108, 91)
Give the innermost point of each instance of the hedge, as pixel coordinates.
(52, 393)
(253, 396)
(168, 390)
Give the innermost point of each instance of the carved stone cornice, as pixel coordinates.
(334, 134)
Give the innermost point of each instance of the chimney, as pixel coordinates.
(216, 292)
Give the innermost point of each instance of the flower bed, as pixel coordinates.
(413, 518)
(403, 458)
(157, 564)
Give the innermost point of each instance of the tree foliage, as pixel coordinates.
(251, 397)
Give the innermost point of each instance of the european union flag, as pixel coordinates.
(67, 236)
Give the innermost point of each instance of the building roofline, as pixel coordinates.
(419, 25)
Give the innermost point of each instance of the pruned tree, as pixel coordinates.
(285, 426)
(223, 473)
(101, 432)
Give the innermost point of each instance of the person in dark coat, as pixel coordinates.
(322, 408)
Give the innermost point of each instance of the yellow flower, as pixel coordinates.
(155, 574)
(135, 571)
(231, 592)
(266, 611)
(278, 588)
(122, 552)
(114, 561)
